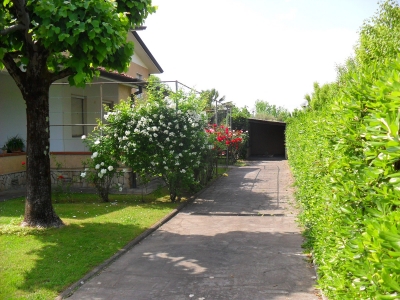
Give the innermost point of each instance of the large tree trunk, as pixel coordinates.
(34, 84)
(39, 210)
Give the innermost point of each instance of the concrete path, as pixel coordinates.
(237, 240)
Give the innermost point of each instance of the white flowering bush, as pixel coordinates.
(163, 137)
(103, 165)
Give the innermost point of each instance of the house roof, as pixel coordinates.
(121, 77)
(145, 54)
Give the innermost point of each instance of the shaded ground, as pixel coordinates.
(237, 240)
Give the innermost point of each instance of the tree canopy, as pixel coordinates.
(43, 41)
(266, 111)
(74, 37)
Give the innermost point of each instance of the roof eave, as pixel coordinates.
(143, 45)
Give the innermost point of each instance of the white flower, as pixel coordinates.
(104, 171)
(127, 132)
(155, 135)
(83, 174)
(102, 164)
(97, 142)
(94, 155)
(86, 169)
(166, 168)
(181, 144)
(110, 168)
(97, 166)
(183, 171)
(155, 116)
(167, 139)
(100, 175)
(83, 137)
(120, 188)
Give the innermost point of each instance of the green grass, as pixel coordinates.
(240, 163)
(40, 263)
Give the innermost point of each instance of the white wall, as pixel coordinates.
(61, 139)
(136, 59)
(12, 110)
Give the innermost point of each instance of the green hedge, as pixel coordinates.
(346, 162)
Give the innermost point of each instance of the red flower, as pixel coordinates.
(23, 163)
(60, 177)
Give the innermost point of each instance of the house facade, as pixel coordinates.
(73, 113)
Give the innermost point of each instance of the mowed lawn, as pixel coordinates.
(40, 263)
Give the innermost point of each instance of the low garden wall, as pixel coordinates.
(65, 178)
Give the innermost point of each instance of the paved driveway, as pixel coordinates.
(237, 240)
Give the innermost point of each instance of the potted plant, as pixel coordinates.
(15, 144)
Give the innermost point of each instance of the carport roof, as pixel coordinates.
(267, 122)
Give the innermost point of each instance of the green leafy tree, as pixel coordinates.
(213, 100)
(266, 111)
(380, 36)
(322, 95)
(240, 117)
(43, 41)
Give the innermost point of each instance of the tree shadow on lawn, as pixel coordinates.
(69, 253)
(84, 208)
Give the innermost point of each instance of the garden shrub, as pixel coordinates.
(344, 150)
(345, 158)
(163, 136)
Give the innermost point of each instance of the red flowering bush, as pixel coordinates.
(226, 140)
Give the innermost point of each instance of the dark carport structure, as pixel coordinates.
(266, 138)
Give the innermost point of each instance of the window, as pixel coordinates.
(139, 76)
(78, 115)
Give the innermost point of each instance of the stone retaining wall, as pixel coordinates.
(12, 181)
(70, 178)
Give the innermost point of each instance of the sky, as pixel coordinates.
(248, 50)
